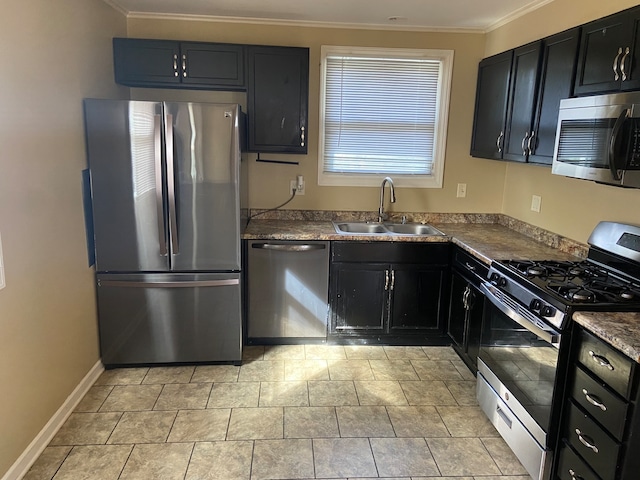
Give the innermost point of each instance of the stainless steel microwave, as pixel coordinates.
(598, 138)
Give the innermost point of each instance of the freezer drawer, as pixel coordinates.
(169, 318)
(288, 285)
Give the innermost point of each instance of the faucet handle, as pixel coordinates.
(404, 219)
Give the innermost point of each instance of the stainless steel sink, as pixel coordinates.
(413, 229)
(360, 228)
(374, 228)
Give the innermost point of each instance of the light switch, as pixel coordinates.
(536, 200)
(2, 284)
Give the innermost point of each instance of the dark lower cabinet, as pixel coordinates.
(388, 292)
(600, 421)
(466, 306)
(172, 64)
(278, 97)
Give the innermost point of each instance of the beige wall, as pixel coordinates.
(270, 183)
(55, 53)
(569, 207)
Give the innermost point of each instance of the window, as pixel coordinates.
(383, 112)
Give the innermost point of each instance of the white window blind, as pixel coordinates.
(382, 113)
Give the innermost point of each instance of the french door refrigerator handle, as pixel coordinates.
(171, 185)
(157, 162)
(165, 284)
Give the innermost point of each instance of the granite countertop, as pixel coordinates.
(485, 241)
(620, 329)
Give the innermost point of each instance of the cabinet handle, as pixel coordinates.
(302, 136)
(530, 143)
(465, 297)
(175, 65)
(469, 266)
(586, 441)
(386, 280)
(616, 76)
(393, 279)
(593, 400)
(499, 142)
(524, 140)
(600, 360)
(622, 60)
(184, 65)
(574, 475)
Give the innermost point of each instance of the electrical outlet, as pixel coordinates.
(536, 200)
(462, 190)
(293, 185)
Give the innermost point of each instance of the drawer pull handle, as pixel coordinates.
(574, 475)
(586, 441)
(469, 266)
(593, 400)
(600, 360)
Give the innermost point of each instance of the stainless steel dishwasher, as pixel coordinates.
(288, 283)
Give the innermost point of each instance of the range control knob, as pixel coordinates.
(535, 304)
(494, 278)
(502, 282)
(547, 311)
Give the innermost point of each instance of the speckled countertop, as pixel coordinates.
(486, 241)
(621, 330)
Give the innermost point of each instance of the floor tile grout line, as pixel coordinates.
(126, 461)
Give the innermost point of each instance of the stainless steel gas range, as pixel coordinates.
(524, 336)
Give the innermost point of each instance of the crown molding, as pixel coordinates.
(517, 14)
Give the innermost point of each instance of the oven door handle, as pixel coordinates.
(552, 338)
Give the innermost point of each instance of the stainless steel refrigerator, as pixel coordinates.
(167, 201)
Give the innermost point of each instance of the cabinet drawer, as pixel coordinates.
(597, 448)
(611, 366)
(600, 403)
(572, 467)
(470, 265)
(391, 252)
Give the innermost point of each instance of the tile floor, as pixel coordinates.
(289, 412)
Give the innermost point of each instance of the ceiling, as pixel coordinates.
(450, 15)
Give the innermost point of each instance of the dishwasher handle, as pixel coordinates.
(289, 248)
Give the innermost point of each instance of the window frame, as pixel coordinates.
(435, 179)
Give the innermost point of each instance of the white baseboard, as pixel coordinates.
(35, 448)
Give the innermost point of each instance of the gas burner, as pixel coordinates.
(536, 270)
(581, 295)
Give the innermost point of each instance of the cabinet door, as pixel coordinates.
(522, 101)
(557, 75)
(457, 310)
(475, 302)
(492, 90)
(601, 47)
(359, 297)
(212, 65)
(630, 66)
(278, 85)
(416, 298)
(139, 62)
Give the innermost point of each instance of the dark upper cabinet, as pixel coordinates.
(557, 75)
(609, 54)
(522, 101)
(278, 97)
(172, 64)
(518, 97)
(489, 122)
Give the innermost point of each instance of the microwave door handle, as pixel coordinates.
(615, 173)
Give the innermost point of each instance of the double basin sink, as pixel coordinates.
(375, 228)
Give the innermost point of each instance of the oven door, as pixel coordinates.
(517, 369)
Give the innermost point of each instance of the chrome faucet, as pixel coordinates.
(381, 215)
